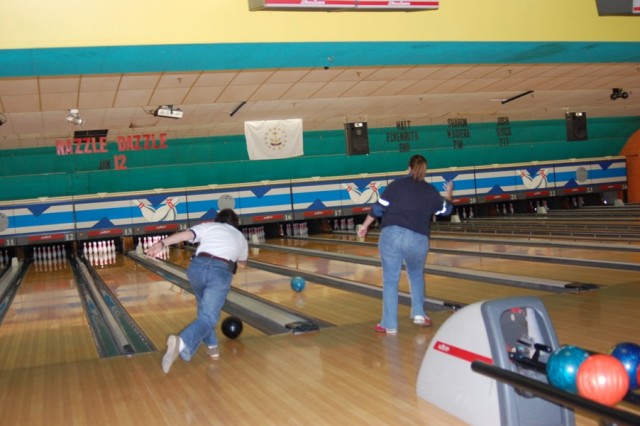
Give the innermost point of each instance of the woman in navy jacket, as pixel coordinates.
(405, 209)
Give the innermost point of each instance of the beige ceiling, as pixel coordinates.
(34, 109)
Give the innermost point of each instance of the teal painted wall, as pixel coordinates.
(224, 160)
(234, 56)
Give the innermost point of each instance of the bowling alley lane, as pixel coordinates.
(438, 287)
(159, 307)
(623, 251)
(45, 324)
(336, 306)
(551, 270)
(596, 250)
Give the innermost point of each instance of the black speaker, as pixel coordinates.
(615, 7)
(576, 126)
(80, 134)
(357, 138)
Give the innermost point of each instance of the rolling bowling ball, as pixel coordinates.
(563, 365)
(602, 378)
(231, 327)
(629, 355)
(297, 284)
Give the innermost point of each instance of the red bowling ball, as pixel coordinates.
(603, 378)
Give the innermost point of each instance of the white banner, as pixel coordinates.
(271, 139)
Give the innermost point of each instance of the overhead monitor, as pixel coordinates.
(343, 5)
(618, 7)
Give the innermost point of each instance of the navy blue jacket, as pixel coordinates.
(410, 204)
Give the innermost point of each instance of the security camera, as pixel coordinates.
(618, 93)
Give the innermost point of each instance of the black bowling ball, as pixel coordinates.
(231, 327)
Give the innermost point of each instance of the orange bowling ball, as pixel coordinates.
(603, 378)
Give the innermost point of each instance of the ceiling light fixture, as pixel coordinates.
(513, 98)
(236, 109)
(73, 117)
(168, 111)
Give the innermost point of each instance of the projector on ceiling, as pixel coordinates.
(168, 111)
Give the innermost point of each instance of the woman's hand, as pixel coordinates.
(155, 249)
(448, 188)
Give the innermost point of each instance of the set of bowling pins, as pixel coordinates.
(49, 257)
(254, 234)
(4, 258)
(294, 230)
(145, 242)
(463, 213)
(344, 224)
(577, 202)
(538, 205)
(100, 253)
(504, 209)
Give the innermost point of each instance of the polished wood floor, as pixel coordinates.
(50, 372)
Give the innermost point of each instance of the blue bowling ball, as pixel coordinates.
(297, 284)
(562, 367)
(629, 355)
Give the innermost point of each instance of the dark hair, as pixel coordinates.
(418, 166)
(227, 216)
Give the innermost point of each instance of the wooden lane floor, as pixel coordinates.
(347, 374)
(550, 270)
(45, 324)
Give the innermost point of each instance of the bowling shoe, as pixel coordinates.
(422, 320)
(213, 352)
(381, 329)
(173, 350)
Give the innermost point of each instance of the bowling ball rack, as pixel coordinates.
(604, 412)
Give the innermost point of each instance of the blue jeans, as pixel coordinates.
(211, 281)
(398, 245)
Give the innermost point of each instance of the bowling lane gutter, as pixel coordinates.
(115, 332)
(447, 271)
(267, 317)
(592, 263)
(9, 282)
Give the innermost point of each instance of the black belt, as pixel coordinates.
(210, 256)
